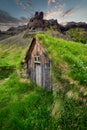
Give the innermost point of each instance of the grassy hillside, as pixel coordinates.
(69, 72)
(78, 35)
(69, 58)
(26, 106)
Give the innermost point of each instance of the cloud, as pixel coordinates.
(25, 5)
(7, 21)
(55, 12)
(51, 14)
(55, 2)
(60, 10)
(29, 3)
(51, 1)
(24, 19)
(69, 12)
(5, 17)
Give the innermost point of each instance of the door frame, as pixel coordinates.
(39, 79)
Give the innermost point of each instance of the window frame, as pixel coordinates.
(37, 59)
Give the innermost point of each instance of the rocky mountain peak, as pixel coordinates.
(37, 22)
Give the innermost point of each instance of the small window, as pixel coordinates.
(37, 58)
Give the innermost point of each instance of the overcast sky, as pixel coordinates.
(62, 10)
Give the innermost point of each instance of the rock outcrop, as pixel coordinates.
(71, 25)
(39, 23)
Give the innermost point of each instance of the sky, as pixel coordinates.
(62, 10)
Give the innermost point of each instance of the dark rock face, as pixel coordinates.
(39, 23)
(12, 31)
(16, 30)
(71, 25)
(39, 15)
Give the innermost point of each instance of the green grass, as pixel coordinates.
(69, 57)
(78, 35)
(26, 106)
(69, 71)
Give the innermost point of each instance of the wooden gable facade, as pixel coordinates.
(38, 64)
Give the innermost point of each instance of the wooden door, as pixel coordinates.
(38, 74)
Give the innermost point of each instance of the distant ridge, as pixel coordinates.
(70, 31)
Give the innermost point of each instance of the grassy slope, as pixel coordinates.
(25, 106)
(78, 35)
(69, 58)
(69, 68)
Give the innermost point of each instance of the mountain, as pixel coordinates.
(71, 25)
(12, 31)
(7, 21)
(24, 105)
(70, 31)
(5, 17)
(75, 31)
(37, 22)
